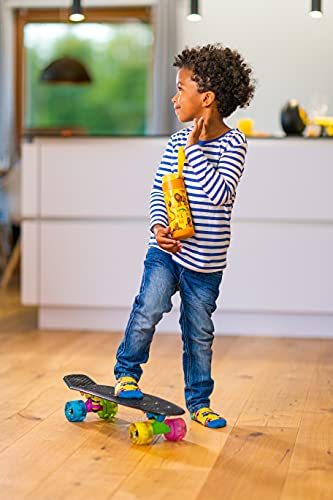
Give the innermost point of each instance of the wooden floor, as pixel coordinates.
(277, 395)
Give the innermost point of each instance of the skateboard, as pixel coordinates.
(100, 399)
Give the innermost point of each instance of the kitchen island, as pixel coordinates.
(85, 233)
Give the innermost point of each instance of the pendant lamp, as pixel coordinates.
(65, 70)
(316, 11)
(76, 13)
(194, 14)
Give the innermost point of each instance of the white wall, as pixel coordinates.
(291, 53)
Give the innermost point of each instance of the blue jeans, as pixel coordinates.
(162, 278)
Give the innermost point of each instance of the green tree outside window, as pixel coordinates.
(118, 57)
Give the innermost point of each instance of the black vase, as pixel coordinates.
(293, 119)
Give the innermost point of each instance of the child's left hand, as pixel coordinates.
(194, 136)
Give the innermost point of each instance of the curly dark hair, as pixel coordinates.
(221, 70)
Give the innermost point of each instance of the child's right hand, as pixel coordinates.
(194, 135)
(162, 235)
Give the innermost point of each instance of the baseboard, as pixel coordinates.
(226, 322)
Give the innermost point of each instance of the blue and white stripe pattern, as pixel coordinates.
(211, 173)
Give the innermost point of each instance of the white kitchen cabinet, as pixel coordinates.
(85, 231)
(280, 268)
(82, 263)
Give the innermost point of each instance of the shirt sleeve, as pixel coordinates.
(218, 183)
(157, 208)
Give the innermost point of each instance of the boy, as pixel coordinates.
(212, 82)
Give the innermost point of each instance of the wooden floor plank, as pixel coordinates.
(275, 393)
(95, 469)
(253, 464)
(237, 374)
(310, 474)
(174, 470)
(33, 393)
(279, 397)
(37, 454)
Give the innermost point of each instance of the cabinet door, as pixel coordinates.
(279, 268)
(286, 181)
(95, 264)
(98, 178)
(272, 267)
(30, 181)
(30, 263)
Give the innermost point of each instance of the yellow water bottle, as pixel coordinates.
(176, 201)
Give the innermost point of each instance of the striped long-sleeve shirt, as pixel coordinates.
(211, 173)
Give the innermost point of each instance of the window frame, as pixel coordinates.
(97, 15)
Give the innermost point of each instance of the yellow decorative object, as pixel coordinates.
(304, 117)
(325, 121)
(245, 125)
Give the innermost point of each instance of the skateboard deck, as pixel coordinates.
(101, 400)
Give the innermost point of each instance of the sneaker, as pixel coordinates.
(127, 387)
(208, 418)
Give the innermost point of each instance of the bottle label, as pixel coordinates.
(178, 209)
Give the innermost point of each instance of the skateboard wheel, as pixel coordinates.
(177, 429)
(75, 411)
(91, 405)
(109, 409)
(141, 433)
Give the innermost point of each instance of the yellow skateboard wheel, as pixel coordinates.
(141, 433)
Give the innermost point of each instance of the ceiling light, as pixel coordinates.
(316, 11)
(76, 14)
(194, 14)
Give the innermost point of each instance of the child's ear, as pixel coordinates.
(208, 98)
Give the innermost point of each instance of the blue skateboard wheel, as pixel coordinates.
(75, 411)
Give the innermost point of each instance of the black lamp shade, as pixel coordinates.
(194, 14)
(76, 13)
(65, 70)
(194, 7)
(315, 10)
(316, 5)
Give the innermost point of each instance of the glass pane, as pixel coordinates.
(118, 58)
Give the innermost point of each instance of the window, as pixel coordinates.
(116, 49)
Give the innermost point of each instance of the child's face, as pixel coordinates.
(188, 101)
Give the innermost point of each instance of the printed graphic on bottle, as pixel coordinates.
(179, 214)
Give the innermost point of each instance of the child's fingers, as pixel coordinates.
(197, 127)
(200, 124)
(169, 245)
(173, 249)
(164, 231)
(166, 242)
